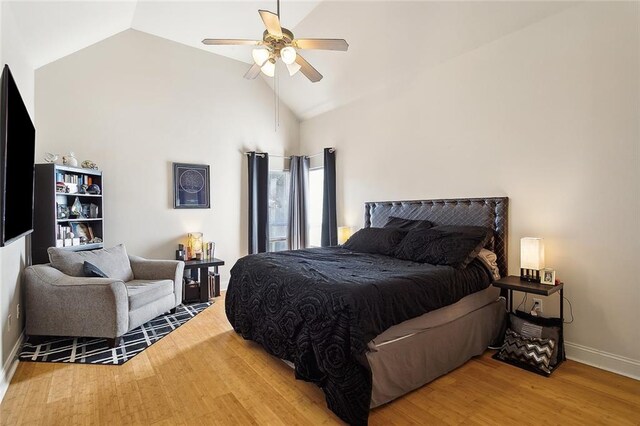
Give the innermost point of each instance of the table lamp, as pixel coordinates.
(344, 233)
(531, 258)
(194, 245)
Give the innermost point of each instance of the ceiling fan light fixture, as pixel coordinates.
(269, 68)
(293, 68)
(260, 56)
(288, 55)
(279, 42)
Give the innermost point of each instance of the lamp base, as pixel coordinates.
(530, 275)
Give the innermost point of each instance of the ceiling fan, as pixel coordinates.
(278, 42)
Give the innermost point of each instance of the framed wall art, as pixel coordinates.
(191, 186)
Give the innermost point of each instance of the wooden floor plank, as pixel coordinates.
(204, 373)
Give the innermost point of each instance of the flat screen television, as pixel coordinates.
(17, 162)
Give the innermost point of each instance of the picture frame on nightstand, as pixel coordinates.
(548, 276)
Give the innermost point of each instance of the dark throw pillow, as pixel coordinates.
(527, 327)
(533, 352)
(91, 270)
(444, 245)
(375, 240)
(475, 230)
(407, 224)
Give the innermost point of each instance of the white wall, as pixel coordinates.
(547, 115)
(12, 257)
(135, 103)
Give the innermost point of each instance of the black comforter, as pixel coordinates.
(318, 308)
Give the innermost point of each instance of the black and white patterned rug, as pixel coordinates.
(87, 350)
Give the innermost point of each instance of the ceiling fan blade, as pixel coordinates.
(272, 22)
(322, 43)
(230, 41)
(310, 72)
(253, 72)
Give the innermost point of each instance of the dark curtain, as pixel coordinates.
(298, 202)
(329, 225)
(258, 202)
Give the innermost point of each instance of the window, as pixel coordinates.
(316, 188)
(278, 209)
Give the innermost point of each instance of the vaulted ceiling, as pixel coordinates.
(389, 41)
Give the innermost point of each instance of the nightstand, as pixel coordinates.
(199, 271)
(514, 283)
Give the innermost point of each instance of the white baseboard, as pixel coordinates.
(603, 360)
(9, 367)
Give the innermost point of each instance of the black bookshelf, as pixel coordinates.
(51, 225)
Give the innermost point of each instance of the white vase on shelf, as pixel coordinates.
(70, 160)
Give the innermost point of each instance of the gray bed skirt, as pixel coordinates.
(409, 363)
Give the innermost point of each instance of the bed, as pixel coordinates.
(368, 328)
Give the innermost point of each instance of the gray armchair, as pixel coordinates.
(59, 301)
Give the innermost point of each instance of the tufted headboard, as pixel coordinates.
(489, 212)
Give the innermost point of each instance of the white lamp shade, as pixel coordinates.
(260, 56)
(344, 233)
(288, 55)
(269, 68)
(532, 253)
(293, 68)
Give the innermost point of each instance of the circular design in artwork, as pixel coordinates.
(191, 181)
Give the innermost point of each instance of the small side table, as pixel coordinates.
(202, 268)
(514, 283)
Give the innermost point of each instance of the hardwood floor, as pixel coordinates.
(204, 373)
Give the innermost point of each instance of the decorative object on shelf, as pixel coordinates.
(548, 276)
(70, 160)
(76, 209)
(86, 211)
(210, 250)
(61, 187)
(190, 186)
(194, 245)
(82, 230)
(62, 211)
(344, 233)
(94, 211)
(531, 258)
(82, 189)
(93, 189)
(88, 164)
(180, 254)
(50, 158)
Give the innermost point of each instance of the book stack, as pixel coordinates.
(65, 237)
(73, 181)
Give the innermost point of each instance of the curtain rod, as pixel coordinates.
(288, 157)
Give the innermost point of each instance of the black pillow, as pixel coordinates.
(375, 240)
(407, 224)
(532, 352)
(91, 270)
(444, 245)
(476, 230)
(529, 326)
